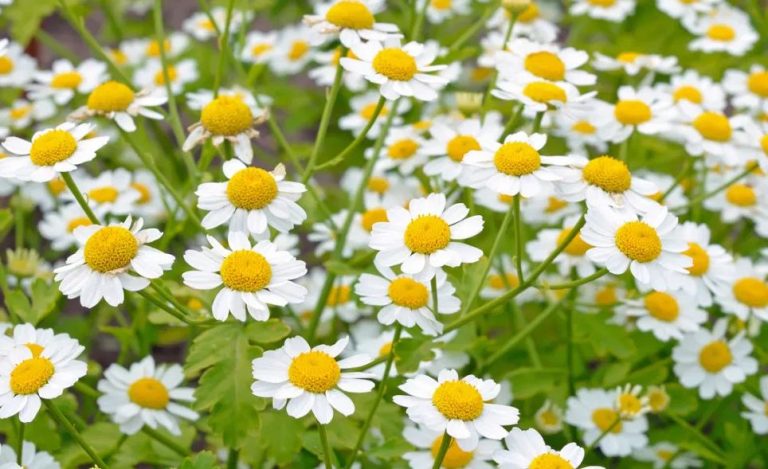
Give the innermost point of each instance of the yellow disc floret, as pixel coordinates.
(700, 259)
(103, 195)
(78, 222)
(517, 159)
(246, 271)
(549, 461)
(251, 189)
(52, 147)
(373, 216)
(149, 393)
(632, 112)
(339, 295)
(662, 306)
(577, 246)
(460, 145)
(721, 33)
(109, 249)
(395, 64)
(408, 293)
(314, 371)
(758, 83)
(713, 126)
(111, 96)
(751, 291)
(427, 234)
(31, 375)
(298, 50)
(498, 282)
(6, 65)
(715, 356)
(455, 457)
(403, 149)
(741, 195)
(458, 400)
(638, 241)
(545, 65)
(688, 93)
(227, 116)
(544, 92)
(606, 419)
(350, 14)
(66, 80)
(609, 174)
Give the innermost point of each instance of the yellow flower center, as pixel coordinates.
(700, 259)
(605, 418)
(609, 174)
(338, 295)
(758, 83)
(149, 393)
(458, 400)
(52, 147)
(602, 3)
(545, 65)
(606, 296)
(111, 248)
(195, 304)
(385, 349)
(56, 186)
(529, 14)
(548, 417)
(455, 457)
(31, 375)
(577, 246)
(314, 371)
(145, 195)
(460, 145)
(632, 112)
(367, 111)
(66, 80)
(427, 234)
(20, 112)
(583, 127)
(111, 96)
(246, 270)
(298, 50)
(741, 195)
(688, 93)
(77, 222)
(6, 65)
(103, 195)
(713, 126)
(118, 56)
(160, 77)
(517, 159)
(403, 149)
(721, 32)
(751, 291)
(628, 57)
(395, 64)
(226, 115)
(260, 49)
(441, 4)
(373, 216)
(36, 349)
(658, 399)
(715, 356)
(664, 455)
(350, 14)
(662, 306)
(481, 73)
(544, 92)
(497, 282)
(764, 144)
(206, 25)
(555, 205)
(408, 293)
(153, 48)
(638, 241)
(549, 461)
(251, 189)
(378, 184)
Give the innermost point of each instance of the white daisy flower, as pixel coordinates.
(325, 73)
(226, 117)
(573, 258)
(371, 339)
(668, 315)
(686, 10)
(259, 47)
(110, 192)
(746, 199)
(34, 339)
(664, 182)
(310, 379)
(58, 225)
(540, 96)
(694, 88)
(202, 27)
(31, 373)
(660, 454)
(145, 394)
(118, 102)
(423, 237)
(197, 100)
(513, 167)
(756, 407)
(726, 29)
(341, 303)
(610, 10)
(64, 80)
(530, 22)
(585, 127)
(527, 449)
(407, 299)
(352, 20)
(252, 200)
(549, 418)
(30, 458)
(363, 106)
(51, 151)
(502, 278)
(451, 143)
(293, 50)
(151, 205)
(22, 113)
(107, 260)
(403, 150)
(709, 361)
(643, 110)
(439, 11)
(749, 90)
(459, 407)
(527, 61)
(250, 277)
(325, 233)
(546, 208)
(138, 51)
(745, 293)
(398, 70)
(651, 248)
(605, 181)
(711, 133)
(712, 264)
(180, 74)
(632, 63)
(16, 68)
(427, 443)
(594, 411)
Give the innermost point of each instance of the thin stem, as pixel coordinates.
(569, 344)
(65, 425)
(325, 120)
(695, 432)
(20, 442)
(473, 29)
(537, 121)
(602, 435)
(79, 198)
(696, 200)
(379, 396)
(576, 283)
(232, 458)
(165, 441)
(433, 285)
(518, 238)
(162, 304)
(418, 21)
(444, 445)
(679, 179)
(492, 82)
(511, 123)
(359, 139)
(624, 148)
(223, 47)
(326, 447)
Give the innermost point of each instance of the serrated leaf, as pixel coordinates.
(202, 460)
(410, 352)
(281, 436)
(268, 332)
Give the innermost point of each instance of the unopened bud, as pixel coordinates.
(469, 103)
(515, 7)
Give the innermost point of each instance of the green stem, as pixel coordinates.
(359, 139)
(576, 283)
(623, 148)
(325, 120)
(165, 441)
(433, 284)
(679, 179)
(162, 304)
(444, 445)
(223, 47)
(511, 123)
(696, 433)
(492, 83)
(326, 447)
(114, 24)
(519, 252)
(696, 200)
(66, 426)
(379, 396)
(232, 458)
(474, 28)
(537, 121)
(602, 435)
(20, 442)
(79, 198)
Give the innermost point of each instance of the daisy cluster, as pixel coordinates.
(360, 233)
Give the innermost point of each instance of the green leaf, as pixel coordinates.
(103, 438)
(410, 352)
(281, 436)
(140, 448)
(18, 304)
(268, 332)
(203, 460)
(6, 221)
(45, 295)
(25, 17)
